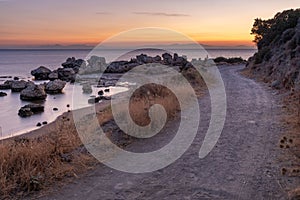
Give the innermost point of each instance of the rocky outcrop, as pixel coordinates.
(55, 87)
(30, 109)
(33, 92)
(41, 73)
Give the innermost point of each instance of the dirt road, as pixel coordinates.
(243, 164)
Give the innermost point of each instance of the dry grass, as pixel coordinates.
(29, 164)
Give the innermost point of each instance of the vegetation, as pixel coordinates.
(267, 31)
(235, 60)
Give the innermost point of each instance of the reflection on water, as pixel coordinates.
(11, 124)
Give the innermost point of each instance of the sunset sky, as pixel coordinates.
(67, 22)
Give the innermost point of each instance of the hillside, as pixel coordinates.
(278, 58)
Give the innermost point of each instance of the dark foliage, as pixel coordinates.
(267, 31)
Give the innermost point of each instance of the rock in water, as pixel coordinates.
(55, 87)
(66, 74)
(18, 86)
(100, 92)
(33, 92)
(2, 94)
(41, 73)
(6, 85)
(53, 76)
(30, 109)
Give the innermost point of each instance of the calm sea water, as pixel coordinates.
(21, 62)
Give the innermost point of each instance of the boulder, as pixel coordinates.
(2, 94)
(74, 64)
(6, 85)
(157, 59)
(53, 76)
(18, 86)
(100, 92)
(179, 61)
(30, 109)
(33, 92)
(25, 112)
(41, 73)
(95, 64)
(66, 74)
(167, 59)
(55, 87)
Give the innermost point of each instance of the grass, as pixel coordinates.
(34, 163)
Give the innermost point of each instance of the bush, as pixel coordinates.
(265, 31)
(235, 60)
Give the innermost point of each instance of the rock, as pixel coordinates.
(6, 85)
(167, 59)
(25, 112)
(100, 92)
(106, 90)
(30, 109)
(53, 76)
(16, 78)
(39, 124)
(55, 87)
(33, 92)
(18, 86)
(179, 61)
(35, 108)
(120, 67)
(143, 58)
(2, 94)
(55, 109)
(87, 89)
(66, 74)
(95, 64)
(94, 100)
(74, 64)
(5, 76)
(157, 59)
(41, 73)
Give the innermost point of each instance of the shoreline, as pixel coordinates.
(57, 122)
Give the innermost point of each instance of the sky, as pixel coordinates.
(89, 22)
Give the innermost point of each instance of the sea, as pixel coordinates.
(19, 63)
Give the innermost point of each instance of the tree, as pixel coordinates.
(266, 31)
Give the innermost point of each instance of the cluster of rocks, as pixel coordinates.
(166, 59)
(30, 109)
(30, 91)
(100, 97)
(68, 73)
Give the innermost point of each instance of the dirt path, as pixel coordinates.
(242, 165)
